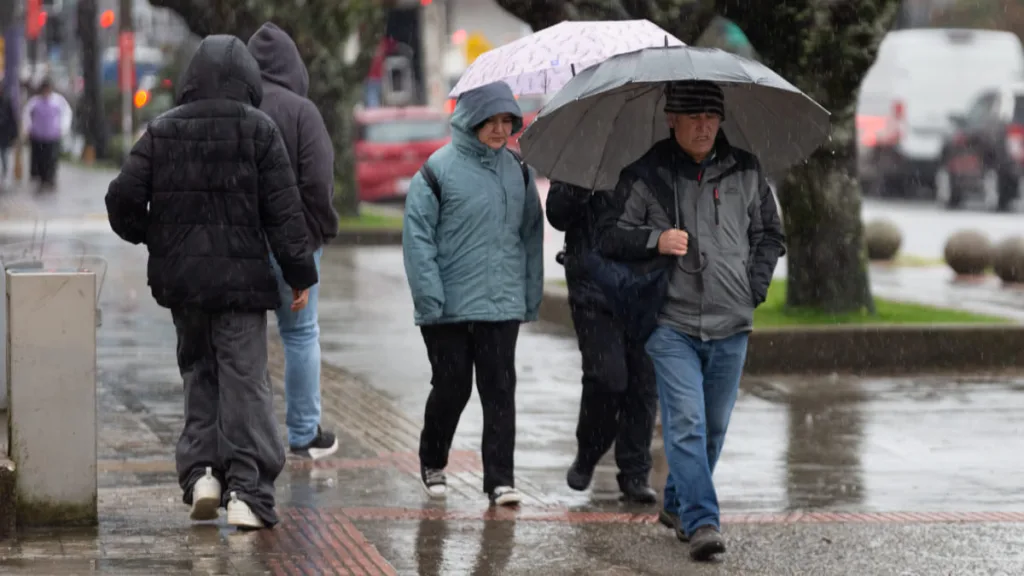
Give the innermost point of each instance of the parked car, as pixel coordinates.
(984, 157)
(391, 145)
(921, 77)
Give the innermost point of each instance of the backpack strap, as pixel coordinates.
(435, 185)
(522, 166)
(431, 179)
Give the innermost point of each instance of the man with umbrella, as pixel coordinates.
(705, 209)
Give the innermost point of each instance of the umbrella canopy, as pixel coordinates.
(610, 115)
(543, 62)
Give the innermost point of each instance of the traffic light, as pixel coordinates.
(107, 19)
(141, 98)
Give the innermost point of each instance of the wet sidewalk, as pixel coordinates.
(819, 476)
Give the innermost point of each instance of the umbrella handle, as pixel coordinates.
(702, 260)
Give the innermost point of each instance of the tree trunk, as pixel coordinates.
(826, 256)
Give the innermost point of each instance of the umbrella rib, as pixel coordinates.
(604, 149)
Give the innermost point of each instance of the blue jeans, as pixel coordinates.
(300, 333)
(697, 386)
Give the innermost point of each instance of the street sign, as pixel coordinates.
(476, 44)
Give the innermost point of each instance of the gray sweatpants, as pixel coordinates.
(229, 413)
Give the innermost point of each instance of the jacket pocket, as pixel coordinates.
(730, 283)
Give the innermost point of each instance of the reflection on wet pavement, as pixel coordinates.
(817, 443)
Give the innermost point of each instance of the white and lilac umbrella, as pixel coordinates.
(544, 61)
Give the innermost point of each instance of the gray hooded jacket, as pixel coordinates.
(285, 85)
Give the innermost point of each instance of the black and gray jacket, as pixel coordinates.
(728, 210)
(572, 209)
(285, 85)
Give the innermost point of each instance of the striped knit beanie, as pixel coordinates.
(694, 97)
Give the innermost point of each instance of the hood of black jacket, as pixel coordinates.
(279, 59)
(221, 69)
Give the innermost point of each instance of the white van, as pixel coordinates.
(920, 77)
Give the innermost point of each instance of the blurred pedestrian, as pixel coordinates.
(285, 85)
(619, 400)
(473, 245)
(47, 120)
(699, 346)
(207, 187)
(8, 129)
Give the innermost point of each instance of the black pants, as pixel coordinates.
(44, 161)
(229, 413)
(620, 398)
(454, 351)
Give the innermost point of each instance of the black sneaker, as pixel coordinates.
(434, 482)
(637, 490)
(323, 445)
(705, 543)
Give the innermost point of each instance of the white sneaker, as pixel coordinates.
(205, 497)
(506, 496)
(241, 516)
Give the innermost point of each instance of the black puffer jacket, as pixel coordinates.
(208, 186)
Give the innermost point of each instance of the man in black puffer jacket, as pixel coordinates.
(619, 401)
(207, 187)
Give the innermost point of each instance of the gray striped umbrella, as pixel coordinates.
(611, 114)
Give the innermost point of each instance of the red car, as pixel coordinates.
(391, 146)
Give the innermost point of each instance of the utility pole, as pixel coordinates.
(94, 127)
(127, 60)
(433, 37)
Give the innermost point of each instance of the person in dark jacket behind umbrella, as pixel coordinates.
(704, 209)
(285, 84)
(619, 399)
(207, 187)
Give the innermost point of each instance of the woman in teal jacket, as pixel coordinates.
(473, 248)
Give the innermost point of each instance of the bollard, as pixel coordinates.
(51, 378)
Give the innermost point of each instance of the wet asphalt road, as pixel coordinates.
(849, 446)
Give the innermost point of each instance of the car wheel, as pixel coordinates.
(1008, 192)
(945, 195)
(894, 186)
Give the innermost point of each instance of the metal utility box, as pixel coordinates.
(51, 382)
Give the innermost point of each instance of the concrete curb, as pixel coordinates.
(863, 349)
(8, 499)
(368, 237)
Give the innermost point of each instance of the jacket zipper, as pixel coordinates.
(718, 201)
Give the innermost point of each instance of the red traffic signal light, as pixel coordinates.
(107, 19)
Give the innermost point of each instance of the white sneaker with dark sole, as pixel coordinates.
(241, 516)
(434, 481)
(206, 494)
(506, 496)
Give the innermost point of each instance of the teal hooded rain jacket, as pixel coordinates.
(477, 255)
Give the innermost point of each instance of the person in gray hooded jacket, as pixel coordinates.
(704, 209)
(285, 84)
